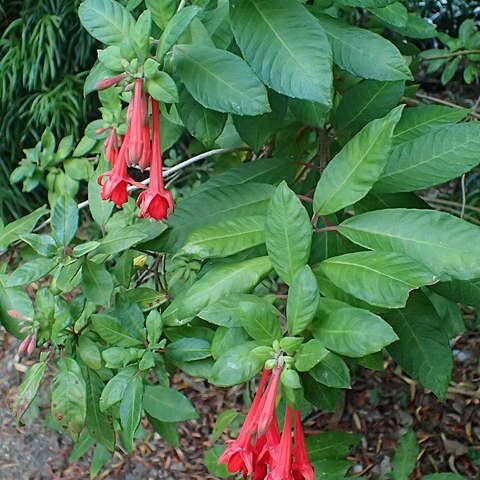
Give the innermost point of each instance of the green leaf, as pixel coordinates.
(101, 210)
(69, 398)
(154, 325)
(166, 430)
(189, 349)
(394, 14)
(175, 28)
(211, 462)
(97, 283)
(332, 371)
(405, 457)
(384, 279)
(220, 80)
(223, 421)
(309, 354)
(98, 72)
(432, 159)
(226, 338)
(64, 219)
(162, 12)
(308, 112)
(106, 20)
(226, 238)
(131, 408)
(353, 171)
(115, 388)
(201, 122)
(89, 353)
(290, 379)
(261, 322)
(237, 365)
(365, 3)
(288, 233)
(30, 272)
(303, 298)
(321, 396)
(255, 131)
(423, 350)
(168, 405)
(219, 281)
(443, 243)
(364, 53)
(296, 65)
(116, 332)
(99, 425)
(140, 35)
(121, 239)
(417, 27)
(364, 102)
(213, 206)
(350, 331)
(160, 85)
(14, 230)
(424, 119)
(462, 291)
(331, 445)
(28, 389)
(85, 248)
(99, 458)
(229, 311)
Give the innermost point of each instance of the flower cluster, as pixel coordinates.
(137, 147)
(29, 343)
(260, 451)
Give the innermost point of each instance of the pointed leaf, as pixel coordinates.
(309, 354)
(64, 219)
(332, 371)
(168, 405)
(97, 283)
(131, 409)
(405, 457)
(12, 231)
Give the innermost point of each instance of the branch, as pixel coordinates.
(451, 54)
(166, 173)
(444, 102)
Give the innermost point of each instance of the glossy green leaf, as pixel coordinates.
(443, 243)
(331, 445)
(122, 239)
(226, 338)
(365, 102)
(85, 248)
(364, 53)
(384, 279)
(255, 131)
(69, 397)
(211, 462)
(64, 219)
(303, 297)
(353, 171)
(309, 354)
(162, 12)
(30, 272)
(237, 365)
(308, 112)
(394, 14)
(226, 238)
(423, 350)
(175, 28)
(332, 371)
(462, 291)
(166, 430)
(97, 283)
(350, 331)
(189, 349)
(424, 119)
(106, 20)
(261, 322)
(223, 421)
(218, 282)
(28, 389)
(140, 35)
(296, 65)
(114, 331)
(89, 352)
(160, 85)
(201, 122)
(288, 233)
(14, 230)
(168, 405)
(321, 396)
(432, 159)
(405, 457)
(99, 458)
(131, 408)
(115, 388)
(99, 425)
(220, 80)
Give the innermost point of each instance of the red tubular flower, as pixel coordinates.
(111, 147)
(283, 468)
(24, 345)
(268, 403)
(33, 344)
(156, 202)
(144, 161)
(302, 468)
(115, 188)
(109, 82)
(240, 454)
(138, 118)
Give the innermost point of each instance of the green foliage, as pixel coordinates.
(302, 242)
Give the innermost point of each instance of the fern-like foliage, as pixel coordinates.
(44, 57)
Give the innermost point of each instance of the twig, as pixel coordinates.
(450, 202)
(329, 228)
(451, 54)
(444, 102)
(464, 196)
(167, 173)
(181, 5)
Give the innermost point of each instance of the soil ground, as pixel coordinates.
(381, 406)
